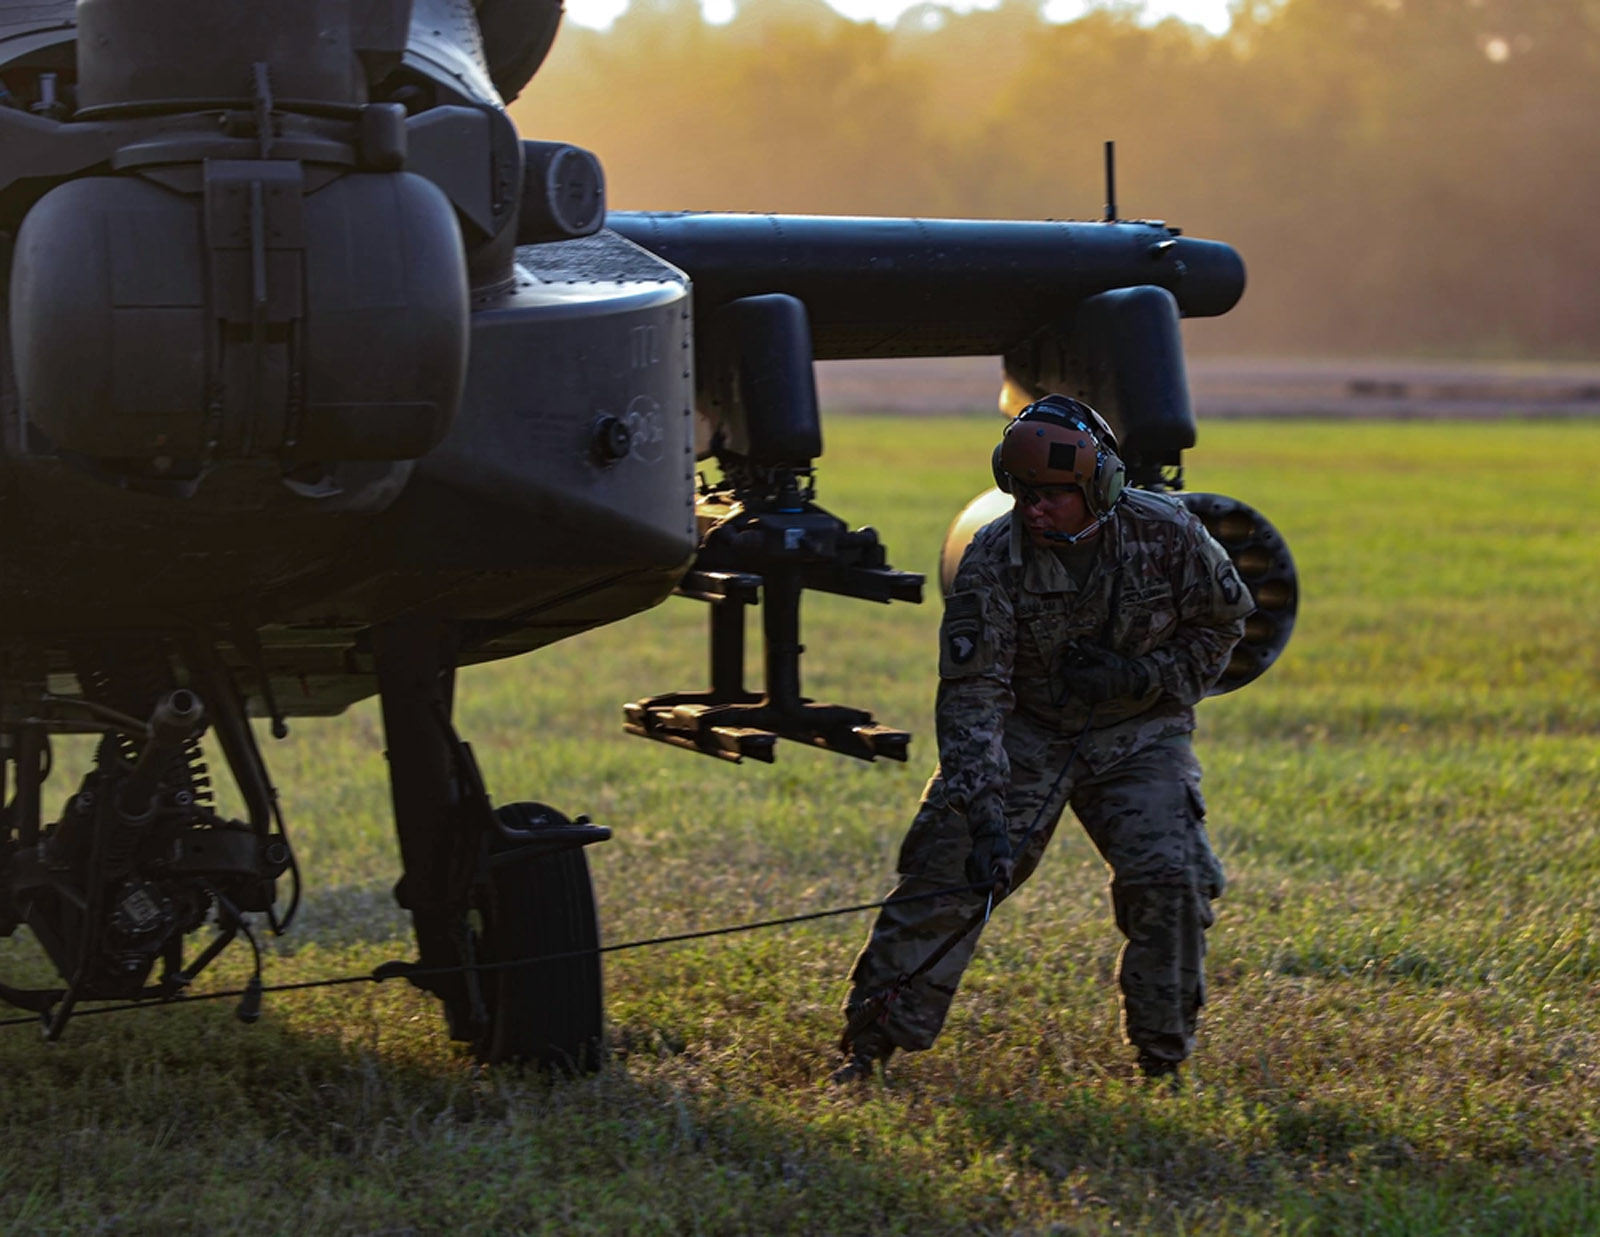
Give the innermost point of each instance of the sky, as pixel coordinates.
(1212, 14)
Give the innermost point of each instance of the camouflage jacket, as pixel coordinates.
(1160, 590)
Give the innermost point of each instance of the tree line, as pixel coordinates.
(1402, 176)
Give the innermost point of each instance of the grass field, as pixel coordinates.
(1404, 1028)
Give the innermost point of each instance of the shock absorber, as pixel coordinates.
(132, 674)
(174, 724)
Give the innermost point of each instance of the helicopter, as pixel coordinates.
(319, 382)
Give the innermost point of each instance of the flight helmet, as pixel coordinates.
(1060, 441)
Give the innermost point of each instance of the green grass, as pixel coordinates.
(1404, 1028)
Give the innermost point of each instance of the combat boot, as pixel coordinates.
(1160, 1071)
(868, 1050)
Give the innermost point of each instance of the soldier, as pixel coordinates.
(1081, 629)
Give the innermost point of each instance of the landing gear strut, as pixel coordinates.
(504, 894)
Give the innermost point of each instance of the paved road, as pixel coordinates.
(1239, 388)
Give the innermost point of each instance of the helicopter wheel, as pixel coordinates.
(548, 1014)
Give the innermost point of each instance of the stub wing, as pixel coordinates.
(1087, 309)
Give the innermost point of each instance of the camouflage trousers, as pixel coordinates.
(1146, 817)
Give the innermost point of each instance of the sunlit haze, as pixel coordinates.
(1378, 209)
(1212, 14)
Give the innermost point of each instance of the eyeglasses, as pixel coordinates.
(1032, 496)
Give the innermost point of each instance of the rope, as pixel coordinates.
(406, 971)
(876, 1007)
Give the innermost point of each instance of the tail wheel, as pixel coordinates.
(531, 907)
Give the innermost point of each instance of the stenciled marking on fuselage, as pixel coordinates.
(644, 349)
(647, 433)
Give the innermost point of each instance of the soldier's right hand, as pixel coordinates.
(991, 862)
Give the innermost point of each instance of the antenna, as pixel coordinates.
(1111, 182)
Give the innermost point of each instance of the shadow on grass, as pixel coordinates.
(351, 1114)
(182, 1118)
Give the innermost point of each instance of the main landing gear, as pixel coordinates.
(140, 858)
(504, 911)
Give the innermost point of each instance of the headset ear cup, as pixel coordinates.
(1110, 481)
(1002, 479)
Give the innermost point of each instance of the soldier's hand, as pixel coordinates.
(991, 861)
(1099, 674)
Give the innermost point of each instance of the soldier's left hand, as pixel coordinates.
(1102, 675)
(991, 862)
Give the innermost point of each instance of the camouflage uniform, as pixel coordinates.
(1013, 740)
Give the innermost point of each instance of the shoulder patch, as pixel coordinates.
(1229, 586)
(963, 639)
(963, 606)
